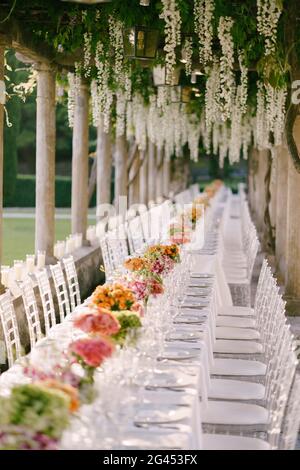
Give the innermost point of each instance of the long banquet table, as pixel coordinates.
(165, 411)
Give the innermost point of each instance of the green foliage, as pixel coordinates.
(24, 195)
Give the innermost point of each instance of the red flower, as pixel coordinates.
(99, 321)
(92, 351)
(156, 288)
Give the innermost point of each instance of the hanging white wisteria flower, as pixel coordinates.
(235, 142)
(72, 93)
(261, 134)
(227, 80)
(280, 115)
(203, 18)
(194, 132)
(171, 16)
(128, 84)
(116, 39)
(120, 111)
(268, 14)
(140, 112)
(95, 103)
(129, 121)
(212, 96)
(247, 131)
(187, 54)
(87, 44)
(243, 93)
(224, 143)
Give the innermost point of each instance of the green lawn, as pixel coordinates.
(18, 237)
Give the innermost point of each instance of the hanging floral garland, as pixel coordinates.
(227, 80)
(116, 39)
(243, 93)
(87, 54)
(121, 112)
(187, 54)
(203, 22)
(171, 16)
(212, 96)
(268, 14)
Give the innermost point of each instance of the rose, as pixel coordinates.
(99, 320)
(92, 351)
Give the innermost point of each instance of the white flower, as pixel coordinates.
(187, 54)
(203, 17)
(268, 14)
(171, 16)
(87, 37)
(227, 80)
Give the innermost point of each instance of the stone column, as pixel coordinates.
(45, 160)
(121, 177)
(134, 188)
(152, 180)
(2, 101)
(166, 177)
(273, 190)
(144, 178)
(80, 161)
(159, 173)
(260, 196)
(281, 209)
(293, 231)
(104, 166)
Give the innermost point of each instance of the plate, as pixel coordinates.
(199, 319)
(184, 336)
(179, 354)
(170, 379)
(161, 415)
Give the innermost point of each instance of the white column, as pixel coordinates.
(293, 227)
(134, 188)
(121, 176)
(45, 160)
(80, 161)
(144, 178)
(281, 208)
(152, 180)
(104, 166)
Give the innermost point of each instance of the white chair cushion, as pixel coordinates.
(234, 413)
(236, 311)
(235, 322)
(235, 390)
(227, 442)
(238, 367)
(228, 346)
(236, 333)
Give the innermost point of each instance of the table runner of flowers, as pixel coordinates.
(35, 414)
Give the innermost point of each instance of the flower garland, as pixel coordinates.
(116, 38)
(171, 15)
(243, 93)
(227, 80)
(187, 54)
(212, 96)
(203, 18)
(268, 14)
(121, 112)
(87, 44)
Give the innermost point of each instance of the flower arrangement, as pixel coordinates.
(113, 297)
(157, 251)
(97, 320)
(130, 321)
(91, 351)
(180, 233)
(38, 408)
(22, 438)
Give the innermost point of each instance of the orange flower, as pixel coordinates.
(135, 264)
(70, 391)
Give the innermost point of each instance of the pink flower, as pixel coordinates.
(92, 351)
(139, 288)
(98, 321)
(137, 307)
(156, 288)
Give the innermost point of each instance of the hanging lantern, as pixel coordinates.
(140, 42)
(159, 76)
(181, 94)
(145, 3)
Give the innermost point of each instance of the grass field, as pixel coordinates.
(18, 236)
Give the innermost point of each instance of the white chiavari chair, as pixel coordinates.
(31, 311)
(72, 282)
(47, 299)
(61, 290)
(135, 235)
(108, 266)
(10, 329)
(291, 424)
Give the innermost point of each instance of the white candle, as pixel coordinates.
(30, 263)
(69, 245)
(62, 249)
(5, 275)
(41, 259)
(78, 240)
(18, 265)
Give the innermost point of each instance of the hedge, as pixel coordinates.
(25, 192)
